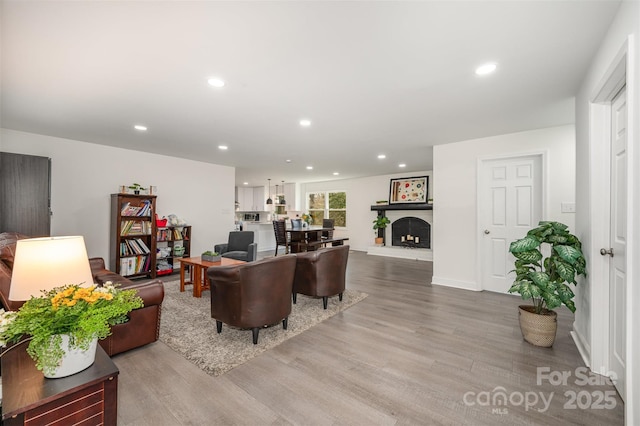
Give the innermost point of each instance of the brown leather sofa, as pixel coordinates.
(143, 326)
(252, 295)
(321, 273)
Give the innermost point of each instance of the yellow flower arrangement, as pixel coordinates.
(84, 313)
(306, 218)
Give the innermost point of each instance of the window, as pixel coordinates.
(328, 204)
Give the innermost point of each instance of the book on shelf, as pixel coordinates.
(133, 247)
(142, 210)
(134, 265)
(135, 227)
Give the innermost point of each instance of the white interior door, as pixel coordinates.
(618, 243)
(510, 204)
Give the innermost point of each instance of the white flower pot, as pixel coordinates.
(74, 360)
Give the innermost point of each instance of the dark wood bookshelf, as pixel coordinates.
(126, 245)
(172, 237)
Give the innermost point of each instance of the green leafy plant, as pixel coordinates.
(380, 222)
(136, 187)
(84, 313)
(545, 279)
(211, 253)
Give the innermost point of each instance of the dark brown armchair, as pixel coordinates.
(321, 273)
(252, 295)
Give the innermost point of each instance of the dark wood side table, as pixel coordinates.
(28, 398)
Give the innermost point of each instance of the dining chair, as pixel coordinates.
(279, 228)
(328, 223)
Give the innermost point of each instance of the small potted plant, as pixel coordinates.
(211, 256)
(379, 225)
(136, 188)
(545, 280)
(73, 315)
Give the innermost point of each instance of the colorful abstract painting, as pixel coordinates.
(409, 190)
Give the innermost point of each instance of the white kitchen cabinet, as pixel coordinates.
(245, 199)
(259, 199)
(290, 196)
(263, 235)
(251, 199)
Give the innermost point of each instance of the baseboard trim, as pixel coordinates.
(583, 347)
(447, 282)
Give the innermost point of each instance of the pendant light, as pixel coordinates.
(283, 201)
(269, 200)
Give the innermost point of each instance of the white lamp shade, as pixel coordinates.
(46, 263)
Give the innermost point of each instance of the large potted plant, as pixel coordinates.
(67, 320)
(379, 225)
(545, 280)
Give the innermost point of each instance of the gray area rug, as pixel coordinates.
(187, 328)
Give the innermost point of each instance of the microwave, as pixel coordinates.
(252, 217)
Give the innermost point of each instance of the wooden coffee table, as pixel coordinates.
(199, 272)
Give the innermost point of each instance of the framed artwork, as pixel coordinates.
(409, 190)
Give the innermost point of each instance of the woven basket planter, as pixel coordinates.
(538, 329)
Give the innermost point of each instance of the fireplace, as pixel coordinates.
(411, 232)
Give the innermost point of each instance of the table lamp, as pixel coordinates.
(46, 263)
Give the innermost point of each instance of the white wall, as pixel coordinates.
(83, 176)
(591, 154)
(456, 230)
(362, 193)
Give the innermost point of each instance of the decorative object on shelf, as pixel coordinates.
(409, 190)
(382, 202)
(174, 220)
(269, 200)
(161, 223)
(379, 225)
(211, 256)
(66, 318)
(544, 280)
(136, 188)
(163, 252)
(178, 251)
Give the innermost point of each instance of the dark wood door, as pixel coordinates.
(25, 194)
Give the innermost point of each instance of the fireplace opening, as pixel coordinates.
(411, 232)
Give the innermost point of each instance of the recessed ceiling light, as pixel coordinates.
(309, 167)
(382, 156)
(216, 82)
(305, 123)
(140, 127)
(287, 161)
(245, 183)
(486, 68)
(336, 173)
(402, 165)
(223, 147)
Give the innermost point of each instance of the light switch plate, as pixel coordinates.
(568, 207)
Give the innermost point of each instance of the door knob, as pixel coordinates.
(487, 232)
(605, 252)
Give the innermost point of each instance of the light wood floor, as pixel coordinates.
(410, 353)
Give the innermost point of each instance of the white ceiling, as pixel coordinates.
(374, 77)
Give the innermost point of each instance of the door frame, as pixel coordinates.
(616, 76)
(481, 161)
